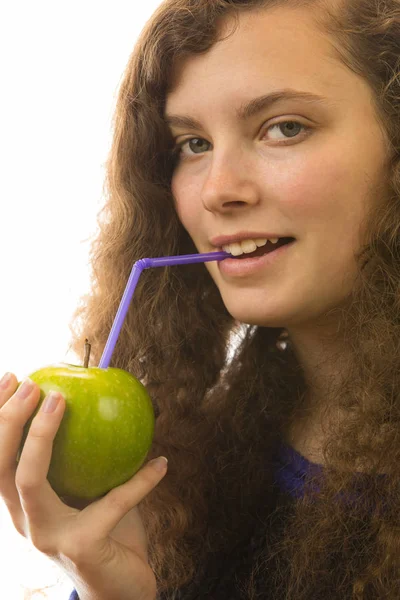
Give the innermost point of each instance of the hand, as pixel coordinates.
(102, 545)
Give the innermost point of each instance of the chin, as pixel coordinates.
(259, 318)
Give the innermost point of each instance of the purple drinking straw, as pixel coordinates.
(146, 263)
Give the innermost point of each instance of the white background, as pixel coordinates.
(61, 65)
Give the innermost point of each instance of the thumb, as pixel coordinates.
(103, 515)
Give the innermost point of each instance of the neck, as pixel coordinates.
(320, 354)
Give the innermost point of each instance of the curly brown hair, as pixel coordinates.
(220, 418)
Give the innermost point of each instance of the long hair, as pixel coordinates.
(220, 418)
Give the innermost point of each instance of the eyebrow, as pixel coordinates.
(253, 107)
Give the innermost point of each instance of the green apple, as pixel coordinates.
(106, 431)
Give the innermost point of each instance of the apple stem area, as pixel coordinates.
(87, 354)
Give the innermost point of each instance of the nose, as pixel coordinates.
(230, 184)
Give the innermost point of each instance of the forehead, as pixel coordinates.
(273, 48)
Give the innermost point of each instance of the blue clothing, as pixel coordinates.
(291, 469)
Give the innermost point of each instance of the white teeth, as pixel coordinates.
(247, 246)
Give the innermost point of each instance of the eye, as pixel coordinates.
(196, 145)
(200, 145)
(289, 128)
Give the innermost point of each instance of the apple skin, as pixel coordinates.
(106, 431)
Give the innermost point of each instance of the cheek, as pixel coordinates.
(318, 191)
(326, 200)
(185, 192)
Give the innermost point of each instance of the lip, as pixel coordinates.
(223, 240)
(242, 267)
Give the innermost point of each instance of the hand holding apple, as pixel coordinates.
(106, 431)
(102, 548)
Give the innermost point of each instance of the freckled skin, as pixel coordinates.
(106, 431)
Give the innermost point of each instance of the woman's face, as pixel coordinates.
(305, 169)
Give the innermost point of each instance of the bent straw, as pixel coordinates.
(146, 263)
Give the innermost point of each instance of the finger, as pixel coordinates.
(38, 499)
(8, 385)
(14, 413)
(103, 516)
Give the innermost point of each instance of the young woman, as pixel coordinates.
(240, 122)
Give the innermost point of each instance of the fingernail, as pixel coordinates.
(5, 380)
(51, 401)
(160, 463)
(25, 389)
